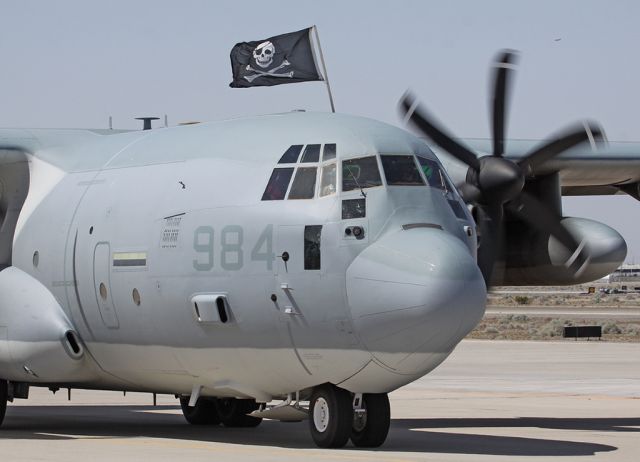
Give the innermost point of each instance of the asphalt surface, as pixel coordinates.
(491, 400)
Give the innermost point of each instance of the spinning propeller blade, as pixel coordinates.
(494, 183)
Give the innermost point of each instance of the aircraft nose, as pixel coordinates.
(414, 294)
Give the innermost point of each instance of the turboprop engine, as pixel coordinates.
(536, 258)
(524, 239)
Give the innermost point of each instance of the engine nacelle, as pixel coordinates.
(37, 341)
(534, 258)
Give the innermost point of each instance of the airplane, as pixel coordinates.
(289, 266)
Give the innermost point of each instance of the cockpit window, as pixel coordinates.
(401, 171)
(302, 163)
(291, 155)
(360, 173)
(328, 181)
(278, 183)
(432, 173)
(329, 152)
(304, 184)
(437, 179)
(311, 153)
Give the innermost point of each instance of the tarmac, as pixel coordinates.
(491, 400)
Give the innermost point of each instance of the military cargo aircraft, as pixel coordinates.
(290, 266)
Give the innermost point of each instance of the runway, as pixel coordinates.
(582, 312)
(491, 400)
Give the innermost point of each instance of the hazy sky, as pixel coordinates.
(74, 63)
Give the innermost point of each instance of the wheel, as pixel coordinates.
(4, 395)
(233, 412)
(203, 413)
(330, 416)
(370, 428)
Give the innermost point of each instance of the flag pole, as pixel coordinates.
(324, 70)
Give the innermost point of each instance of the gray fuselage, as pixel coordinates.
(160, 253)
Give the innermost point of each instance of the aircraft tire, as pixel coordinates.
(4, 397)
(203, 413)
(233, 412)
(330, 416)
(370, 430)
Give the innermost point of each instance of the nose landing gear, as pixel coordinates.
(333, 421)
(371, 421)
(330, 416)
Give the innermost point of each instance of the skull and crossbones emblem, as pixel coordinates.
(263, 56)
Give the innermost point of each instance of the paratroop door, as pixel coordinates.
(102, 285)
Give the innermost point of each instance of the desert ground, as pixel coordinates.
(540, 313)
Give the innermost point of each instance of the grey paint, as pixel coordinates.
(381, 312)
(120, 193)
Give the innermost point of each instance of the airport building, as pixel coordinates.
(626, 273)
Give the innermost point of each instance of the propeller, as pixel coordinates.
(494, 183)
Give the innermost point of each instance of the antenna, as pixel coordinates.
(110, 123)
(146, 122)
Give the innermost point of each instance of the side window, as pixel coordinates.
(457, 209)
(328, 180)
(439, 180)
(291, 155)
(278, 183)
(304, 184)
(401, 171)
(360, 173)
(432, 172)
(354, 208)
(312, 247)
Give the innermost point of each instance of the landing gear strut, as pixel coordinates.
(4, 396)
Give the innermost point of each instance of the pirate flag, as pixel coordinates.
(286, 58)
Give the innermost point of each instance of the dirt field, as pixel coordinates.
(527, 313)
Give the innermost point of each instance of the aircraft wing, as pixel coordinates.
(610, 168)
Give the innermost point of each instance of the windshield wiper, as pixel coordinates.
(356, 181)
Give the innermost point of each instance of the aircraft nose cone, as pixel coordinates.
(414, 294)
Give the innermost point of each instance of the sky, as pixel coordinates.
(74, 63)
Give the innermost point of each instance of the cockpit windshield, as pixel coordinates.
(360, 173)
(328, 182)
(302, 164)
(401, 171)
(433, 173)
(304, 184)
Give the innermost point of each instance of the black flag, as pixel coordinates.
(286, 58)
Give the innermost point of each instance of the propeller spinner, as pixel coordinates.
(495, 184)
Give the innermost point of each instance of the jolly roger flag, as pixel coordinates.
(286, 58)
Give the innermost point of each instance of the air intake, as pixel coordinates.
(72, 345)
(211, 308)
